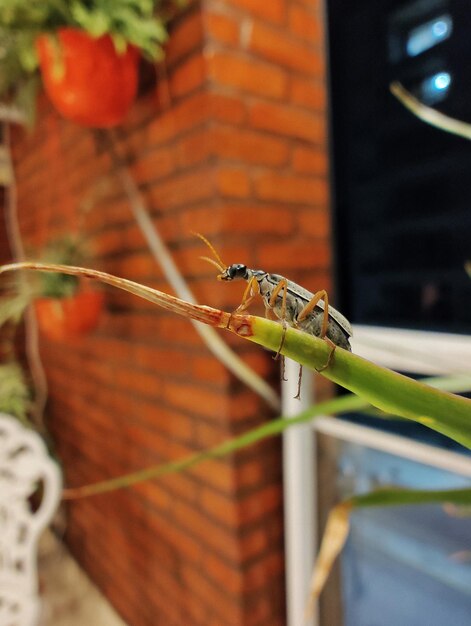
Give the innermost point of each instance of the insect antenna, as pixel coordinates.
(218, 262)
(213, 262)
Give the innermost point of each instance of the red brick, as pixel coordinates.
(249, 475)
(185, 36)
(248, 404)
(288, 120)
(154, 165)
(246, 74)
(260, 503)
(154, 494)
(185, 115)
(188, 76)
(310, 161)
(263, 570)
(173, 423)
(219, 506)
(193, 148)
(272, 11)
(138, 382)
(221, 27)
(305, 24)
(249, 146)
(214, 536)
(163, 360)
(182, 189)
(218, 570)
(248, 218)
(232, 182)
(309, 93)
(315, 223)
(274, 45)
(195, 399)
(291, 188)
(181, 329)
(217, 473)
(137, 266)
(109, 241)
(208, 369)
(226, 108)
(295, 256)
(227, 607)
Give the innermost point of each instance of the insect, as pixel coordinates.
(288, 302)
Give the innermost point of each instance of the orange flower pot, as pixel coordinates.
(64, 318)
(86, 79)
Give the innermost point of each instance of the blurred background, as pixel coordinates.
(269, 127)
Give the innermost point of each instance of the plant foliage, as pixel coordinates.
(14, 392)
(69, 250)
(18, 294)
(140, 23)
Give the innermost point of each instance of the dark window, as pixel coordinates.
(401, 189)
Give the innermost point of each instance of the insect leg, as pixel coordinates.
(300, 378)
(320, 295)
(249, 295)
(331, 354)
(271, 316)
(281, 286)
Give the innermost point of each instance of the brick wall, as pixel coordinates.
(231, 144)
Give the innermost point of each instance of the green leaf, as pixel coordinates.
(15, 397)
(120, 43)
(95, 22)
(396, 497)
(27, 53)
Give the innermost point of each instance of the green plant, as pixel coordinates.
(382, 388)
(68, 249)
(15, 396)
(140, 23)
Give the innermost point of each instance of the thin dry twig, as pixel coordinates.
(429, 115)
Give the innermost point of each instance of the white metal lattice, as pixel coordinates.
(30, 487)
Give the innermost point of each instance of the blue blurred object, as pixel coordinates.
(427, 35)
(407, 565)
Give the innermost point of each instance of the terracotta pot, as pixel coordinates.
(63, 318)
(86, 79)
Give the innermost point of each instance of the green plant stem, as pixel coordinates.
(396, 497)
(386, 390)
(391, 392)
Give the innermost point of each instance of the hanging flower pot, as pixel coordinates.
(86, 79)
(87, 53)
(70, 317)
